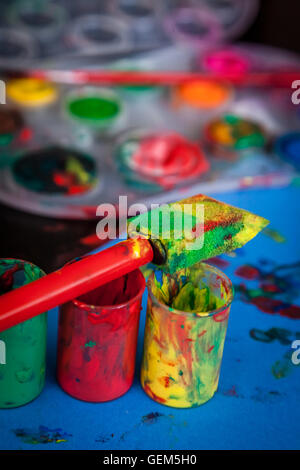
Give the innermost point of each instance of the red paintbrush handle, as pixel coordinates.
(73, 280)
(167, 78)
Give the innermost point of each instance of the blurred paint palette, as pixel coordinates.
(66, 149)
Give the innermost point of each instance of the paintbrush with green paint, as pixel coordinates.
(173, 236)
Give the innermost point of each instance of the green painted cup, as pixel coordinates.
(22, 347)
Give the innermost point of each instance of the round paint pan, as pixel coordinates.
(142, 17)
(230, 136)
(225, 62)
(44, 20)
(16, 47)
(103, 34)
(34, 97)
(32, 93)
(97, 110)
(152, 161)
(197, 26)
(202, 95)
(287, 147)
(235, 16)
(53, 181)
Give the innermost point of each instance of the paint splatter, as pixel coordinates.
(266, 396)
(43, 435)
(218, 262)
(273, 288)
(274, 235)
(282, 335)
(105, 438)
(231, 392)
(283, 367)
(151, 418)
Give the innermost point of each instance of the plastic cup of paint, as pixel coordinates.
(93, 110)
(97, 340)
(22, 347)
(44, 20)
(103, 34)
(16, 47)
(186, 323)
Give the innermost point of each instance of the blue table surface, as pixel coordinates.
(257, 403)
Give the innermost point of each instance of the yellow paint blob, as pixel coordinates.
(31, 92)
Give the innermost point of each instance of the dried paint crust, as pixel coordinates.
(225, 229)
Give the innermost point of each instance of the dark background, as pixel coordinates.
(50, 243)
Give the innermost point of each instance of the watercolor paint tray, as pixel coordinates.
(155, 110)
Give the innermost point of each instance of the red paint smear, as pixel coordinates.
(231, 392)
(270, 288)
(218, 262)
(222, 316)
(247, 272)
(212, 224)
(267, 305)
(293, 311)
(273, 306)
(202, 333)
(152, 394)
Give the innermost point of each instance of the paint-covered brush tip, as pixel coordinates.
(194, 229)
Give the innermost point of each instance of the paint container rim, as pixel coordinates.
(78, 38)
(89, 308)
(207, 17)
(23, 263)
(56, 12)
(24, 39)
(195, 315)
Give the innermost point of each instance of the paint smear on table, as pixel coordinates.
(42, 435)
(283, 367)
(274, 235)
(272, 288)
(282, 335)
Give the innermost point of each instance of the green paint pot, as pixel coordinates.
(22, 347)
(93, 107)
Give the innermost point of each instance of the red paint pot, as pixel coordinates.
(97, 339)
